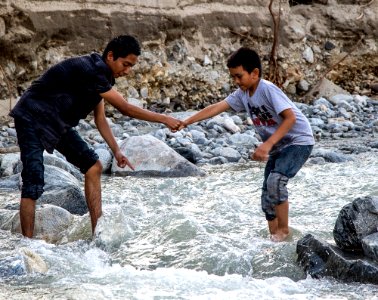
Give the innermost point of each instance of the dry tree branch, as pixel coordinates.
(273, 66)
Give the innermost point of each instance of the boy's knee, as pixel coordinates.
(275, 194)
(32, 191)
(267, 206)
(95, 169)
(277, 188)
(32, 180)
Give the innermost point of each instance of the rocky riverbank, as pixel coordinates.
(231, 137)
(185, 45)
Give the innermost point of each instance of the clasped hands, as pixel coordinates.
(175, 124)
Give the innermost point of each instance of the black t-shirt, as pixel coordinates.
(63, 95)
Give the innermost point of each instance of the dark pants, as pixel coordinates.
(279, 168)
(71, 145)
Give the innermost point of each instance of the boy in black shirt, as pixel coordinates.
(47, 112)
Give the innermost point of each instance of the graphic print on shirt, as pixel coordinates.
(261, 116)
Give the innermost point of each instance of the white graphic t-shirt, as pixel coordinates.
(264, 107)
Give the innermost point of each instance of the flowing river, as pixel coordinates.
(198, 238)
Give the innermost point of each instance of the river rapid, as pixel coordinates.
(198, 238)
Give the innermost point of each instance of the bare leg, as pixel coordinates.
(273, 226)
(282, 213)
(27, 216)
(93, 193)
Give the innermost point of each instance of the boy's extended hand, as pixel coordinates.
(122, 160)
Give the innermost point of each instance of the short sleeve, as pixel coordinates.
(103, 81)
(102, 84)
(277, 99)
(235, 100)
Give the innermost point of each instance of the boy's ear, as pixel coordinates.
(110, 56)
(256, 72)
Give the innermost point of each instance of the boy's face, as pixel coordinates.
(245, 80)
(122, 65)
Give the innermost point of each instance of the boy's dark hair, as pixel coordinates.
(121, 46)
(245, 57)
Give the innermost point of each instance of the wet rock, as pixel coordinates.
(320, 259)
(356, 220)
(6, 217)
(80, 229)
(64, 190)
(12, 266)
(370, 246)
(33, 262)
(152, 157)
(50, 221)
(316, 161)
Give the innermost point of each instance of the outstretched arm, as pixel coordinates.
(116, 99)
(207, 112)
(106, 132)
(262, 152)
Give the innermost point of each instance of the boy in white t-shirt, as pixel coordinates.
(285, 131)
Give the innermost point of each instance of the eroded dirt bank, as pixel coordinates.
(185, 44)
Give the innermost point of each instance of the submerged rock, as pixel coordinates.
(33, 262)
(23, 262)
(12, 266)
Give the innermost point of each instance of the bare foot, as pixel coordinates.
(279, 237)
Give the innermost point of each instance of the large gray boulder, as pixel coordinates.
(152, 157)
(327, 89)
(356, 220)
(64, 190)
(50, 221)
(355, 257)
(61, 189)
(59, 161)
(11, 164)
(320, 259)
